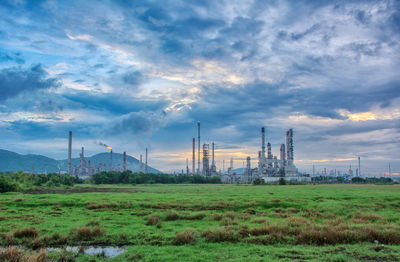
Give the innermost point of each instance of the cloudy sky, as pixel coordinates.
(137, 74)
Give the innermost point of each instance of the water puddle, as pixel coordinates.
(105, 251)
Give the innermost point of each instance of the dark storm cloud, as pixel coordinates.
(132, 79)
(14, 81)
(138, 123)
(112, 103)
(28, 129)
(12, 56)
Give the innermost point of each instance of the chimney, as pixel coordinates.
(145, 166)
(262, 146)
(124, 162)
(187, 167)
(141, 164)
(69, 152)
(111, 160)
(213, 161)
(194, 157)
(198, 153)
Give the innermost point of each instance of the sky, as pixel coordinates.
(137, 74)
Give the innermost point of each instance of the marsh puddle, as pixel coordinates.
(107, 251)
(104, 251)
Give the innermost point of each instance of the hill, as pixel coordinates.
(11, 161)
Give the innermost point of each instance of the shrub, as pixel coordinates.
(55, 239)
(258, 181)
(259, 221)
(216, 216)
(12, 254)
(153, 220)
(93, 223)
(186, 237)
(8, 186)
(194, 217)
(26, 232)
(85, 233)
(101, 206)
(220, 235)
(98, 231)
(171, 216)
(282, 181)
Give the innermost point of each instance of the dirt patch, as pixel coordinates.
(81, 190)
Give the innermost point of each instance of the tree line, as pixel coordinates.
(128, 177)
(17, 181)
(20, 181)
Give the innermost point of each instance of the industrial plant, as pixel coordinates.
(86, 169)
(269, 168)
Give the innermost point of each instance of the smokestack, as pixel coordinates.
(390, 171)
(248, 167)
(111, 160)
(231, 164)
(141, 164)
(269, 150)
(145, 167)
(187, 167)
(223, 166)
(194, 156)
(213, 161)
(283, 155)
(359, 167)
(198, 153)
(289, 147)
(262, 143)
(69, 152)
(124, 162)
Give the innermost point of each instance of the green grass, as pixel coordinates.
(224, 222)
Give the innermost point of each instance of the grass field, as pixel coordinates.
(210, 222)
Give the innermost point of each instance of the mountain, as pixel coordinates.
(131, 162)
(11, 161)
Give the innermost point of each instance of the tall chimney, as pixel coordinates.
(283, 155)
(187, 167)
(269, 150)
(198, 153)
(141, 164)
(69, 152)
(213, 161)
(289, 147)
(194, 156)
(262, 145)
(145, 167)
(111, 160)
(124, 162)
(359, 167)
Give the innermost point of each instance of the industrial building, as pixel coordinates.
(87, 169)
(269, 168)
